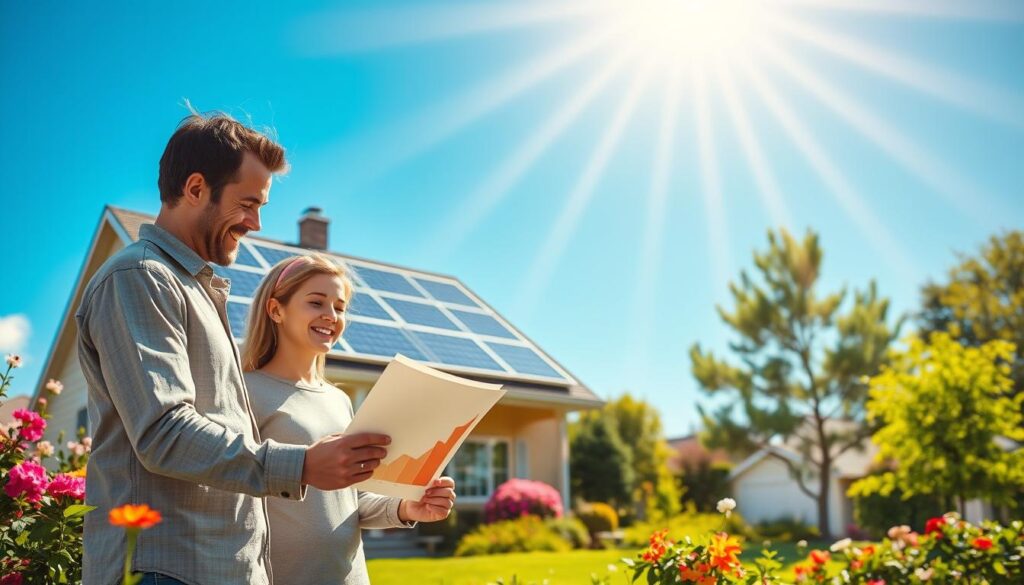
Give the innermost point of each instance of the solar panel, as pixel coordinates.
(448, 293)
(421, 314)
(523, 360)
(274, 255)
(243, 284)
(237, 315)
(380, 340)
(386, 281)
(456, 351)
(245, 258)
(483, 324)
(364, 305)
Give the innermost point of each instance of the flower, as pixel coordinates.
(982, 543)
(78, 472)
(32, 425)
(820, 557)
(28, 479)
(697, 574)
(841, 545)
(65, 484)
(924, 574)
(11, 579)
(54, 386)
(41, 402)
(13, 360)
(876, 581)
(724, 550)
(44, 448)
(726, 506)
(135, 516)
(801, 544)
(934, 525)
(659, 543)
(79, 449)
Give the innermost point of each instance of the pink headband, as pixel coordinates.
(288, 269)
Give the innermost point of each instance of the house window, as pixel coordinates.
(480, 466)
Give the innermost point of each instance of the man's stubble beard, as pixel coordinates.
(215, 248)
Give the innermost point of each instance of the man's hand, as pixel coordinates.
(338, 461)
(435, 504)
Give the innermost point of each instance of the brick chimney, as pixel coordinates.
(313, 229)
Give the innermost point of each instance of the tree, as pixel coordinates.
(802, 361)
(600, 464)
(704, 483)
(618, 455)
(982, 300)
(943, 410)
(639, 425)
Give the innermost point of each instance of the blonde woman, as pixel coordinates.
(297, 316)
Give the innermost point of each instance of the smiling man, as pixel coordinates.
(172, 425)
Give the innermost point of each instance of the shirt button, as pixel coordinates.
(285, 495)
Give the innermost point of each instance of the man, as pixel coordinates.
(171, 418)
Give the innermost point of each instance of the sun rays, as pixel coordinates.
(706, 63)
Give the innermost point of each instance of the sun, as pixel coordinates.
(683, 31)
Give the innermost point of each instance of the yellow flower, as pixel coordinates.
(724, 550)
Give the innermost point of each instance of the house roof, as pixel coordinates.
(688, 450)
(852, 464)
(434, 317)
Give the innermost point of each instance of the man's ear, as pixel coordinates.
(195, 190)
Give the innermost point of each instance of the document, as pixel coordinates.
(428, 414)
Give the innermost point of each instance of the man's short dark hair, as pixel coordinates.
(214, 146)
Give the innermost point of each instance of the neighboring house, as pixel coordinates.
(688, 451)
(765, 490)
(9, 406)
(429, 317)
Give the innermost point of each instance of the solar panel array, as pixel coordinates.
(426, 317)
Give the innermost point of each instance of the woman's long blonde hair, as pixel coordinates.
(261, 331)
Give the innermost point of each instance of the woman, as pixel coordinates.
(297, 316)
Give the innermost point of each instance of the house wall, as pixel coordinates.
(767, 492)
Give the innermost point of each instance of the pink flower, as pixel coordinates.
(32, 425)
(13, 360)
(44, 448)
(67, 485)
(28, 478)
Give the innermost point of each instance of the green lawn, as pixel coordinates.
(557, 568)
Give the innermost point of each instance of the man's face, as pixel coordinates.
(223, 224)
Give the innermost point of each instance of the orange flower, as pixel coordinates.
(819, 557)
(724, 550)
(77, 473)
(659, 544)
(982, 543)
(132, 516)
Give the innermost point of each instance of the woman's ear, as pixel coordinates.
(274, 310)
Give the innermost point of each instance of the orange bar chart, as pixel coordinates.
(419, 470)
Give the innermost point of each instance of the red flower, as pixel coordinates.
(876, 582)
(934, 525)
(820, 557)
(28, 478)
(11, 579)
(982, 543)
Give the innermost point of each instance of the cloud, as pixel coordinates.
(14, 332)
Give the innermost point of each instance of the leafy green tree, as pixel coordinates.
(982, 299)
(600, 464)
(944, 409)
(704, 483)
(802, 358)
(639, 426)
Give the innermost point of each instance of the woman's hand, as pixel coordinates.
(435, 504)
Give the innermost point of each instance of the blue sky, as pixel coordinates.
(495, 142)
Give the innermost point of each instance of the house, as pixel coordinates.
(765, 490)
(687, 451)
(426, 316)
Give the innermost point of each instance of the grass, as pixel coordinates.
(556, 568)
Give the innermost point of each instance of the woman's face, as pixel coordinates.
(314, 316)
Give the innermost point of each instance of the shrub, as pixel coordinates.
(686, 523)
(876, 512)
(521, 497)
(41, 512)
(525, 534)
(704, 483)
(571, 530)
(598, 517)
(785, 529)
